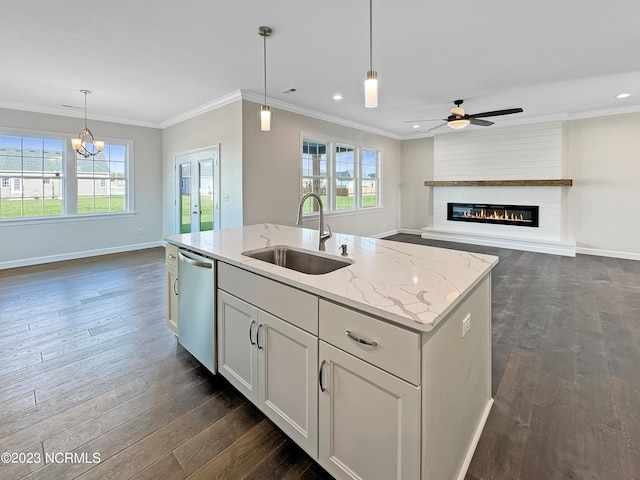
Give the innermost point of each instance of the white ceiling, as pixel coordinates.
(150, 61)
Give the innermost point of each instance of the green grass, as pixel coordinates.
(29, 208)
(342, 203)
(206, 215)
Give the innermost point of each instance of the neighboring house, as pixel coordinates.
(42, 175)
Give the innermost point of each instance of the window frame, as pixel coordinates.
(69, 193)
(330, 206)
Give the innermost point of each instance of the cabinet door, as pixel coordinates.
(288, 381)
(172, 298)
(369, 420)
(237, 355)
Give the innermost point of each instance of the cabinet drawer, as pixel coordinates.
(396, 350)
(290, 304)
(171, 255)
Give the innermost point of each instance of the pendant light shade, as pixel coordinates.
(265, 118)
(371, 80)
(371, 90)
(85, 138)
(265, 111)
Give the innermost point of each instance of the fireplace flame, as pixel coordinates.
(495, 215)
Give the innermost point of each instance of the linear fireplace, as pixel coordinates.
(520, 215)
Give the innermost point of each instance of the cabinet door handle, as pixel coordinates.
(175, 286)
(250, 327)
(171, 256)
(258, 337)
(361, 340)
(322, 387)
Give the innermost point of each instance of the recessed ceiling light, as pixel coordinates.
(416, 126)
(623, 95)
(337, 96)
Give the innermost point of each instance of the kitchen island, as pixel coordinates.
(379, 369)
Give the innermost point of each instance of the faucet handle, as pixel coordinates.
(329, 235)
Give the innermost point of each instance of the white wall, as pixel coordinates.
(45, 241)
(417, 200)
(525, 152)
(222, 126)
(603, 158)
(271, 171)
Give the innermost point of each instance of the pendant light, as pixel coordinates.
(371, 80)
(265, 111)
(80, 144)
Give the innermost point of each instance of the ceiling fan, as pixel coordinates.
(460, 119)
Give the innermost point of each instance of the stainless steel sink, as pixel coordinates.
(301, 260)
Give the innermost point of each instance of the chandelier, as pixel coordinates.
(86, 137)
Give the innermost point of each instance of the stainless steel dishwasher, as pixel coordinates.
(196, 307)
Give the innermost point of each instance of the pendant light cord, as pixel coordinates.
(85, 109)
(264, 38)
(370, 35)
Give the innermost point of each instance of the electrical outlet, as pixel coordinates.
(140, 232)
(466, 324)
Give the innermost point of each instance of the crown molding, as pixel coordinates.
(75, 113)
(289, 107)
(604, 113)
(207, 107)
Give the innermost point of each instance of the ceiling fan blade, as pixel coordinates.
(437, 126)
(477, 121)
(496, 113)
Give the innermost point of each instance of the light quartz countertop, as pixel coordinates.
(407, 284)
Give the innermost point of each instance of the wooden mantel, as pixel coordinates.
(499, 183)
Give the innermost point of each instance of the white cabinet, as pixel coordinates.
(369, 420)
(273, 362)
(288, 379)
(171, 258)
(367, 398)
(237, 355)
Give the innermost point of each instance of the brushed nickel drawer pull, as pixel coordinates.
(361, 340)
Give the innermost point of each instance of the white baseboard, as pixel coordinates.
(74, 255)
(474, 441)
(608, 253)
(541, 246)
(396, 231)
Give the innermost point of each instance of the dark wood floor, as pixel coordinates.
(89, 367)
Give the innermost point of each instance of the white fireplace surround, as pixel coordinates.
(527, 152)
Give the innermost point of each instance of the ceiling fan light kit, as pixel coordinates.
(459, 119)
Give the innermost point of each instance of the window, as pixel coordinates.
(102, 180)
(28, 161)
(43, 177)
(369, 177)
(314, 172)
(347, 177)
(345, 162)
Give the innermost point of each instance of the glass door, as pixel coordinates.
(197, 199)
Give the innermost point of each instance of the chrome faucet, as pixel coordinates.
(321, 233)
